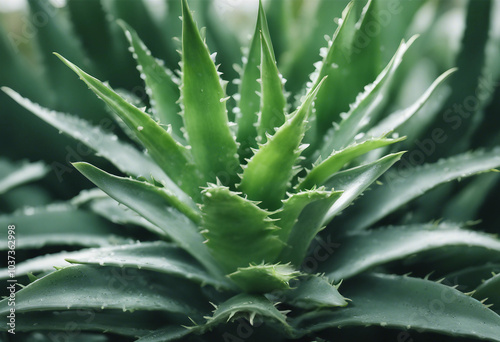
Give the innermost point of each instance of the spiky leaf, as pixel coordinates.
(205, 116)
(172, 157)
(264, 278)
(267, 174)
(365, 250)
(237, 230)
(411, 181)
(416, 304)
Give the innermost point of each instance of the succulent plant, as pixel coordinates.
(240, 210)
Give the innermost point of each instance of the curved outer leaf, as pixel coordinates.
(469, 278)
(110, 288)
(75, 321)
(238, 232)
(12, 175)
(415, 304)
(58, 225)
(124, 156)
(172, 157)
(152, 256)
(396, 119)
(367, 249)
(314, 292)
(268, 173)
(113, 211)
(161, 88)
(354, 181)
(367, 105)
(272, 113)
(405, 185)
(169, 333)
(248, 304)
(324, 170)
(205, 117)
(490, 289)
(154, 204)
(249, 101)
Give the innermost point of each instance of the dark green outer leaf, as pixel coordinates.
(153, 256)
(110, 288)
(404, 185)
(154, 204)
(365, 250)
(71, 323)
(205, 117)
(172, 157)
(12, 175)
(415, 304)
(124, 156)
(58, 225)
(490, 289)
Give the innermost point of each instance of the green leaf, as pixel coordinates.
(153, 256)
(404, 185)
(14, 174)
(163, 91)
(350, 61)
(307, 226)
(313, 292)
(396, 119)
(490, 289)
(56, 225)
(237, 230)
(107, 145)
(272, 114)
(172, 157)
(294, 205)
(56, 34)
(264, 278)
(169, 333)
(415, 304)
(107, 288)
(100, 203)
(338, 159)
(111, 321)
(246, 305)
(469, 278)
(354, 181)
(365, 250)
(205, 117)
(366, 107)
(155, 205)
(249, 101)
(267, 175)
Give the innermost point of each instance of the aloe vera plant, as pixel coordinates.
(226, 225)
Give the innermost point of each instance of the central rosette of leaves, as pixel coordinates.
(245, 198)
